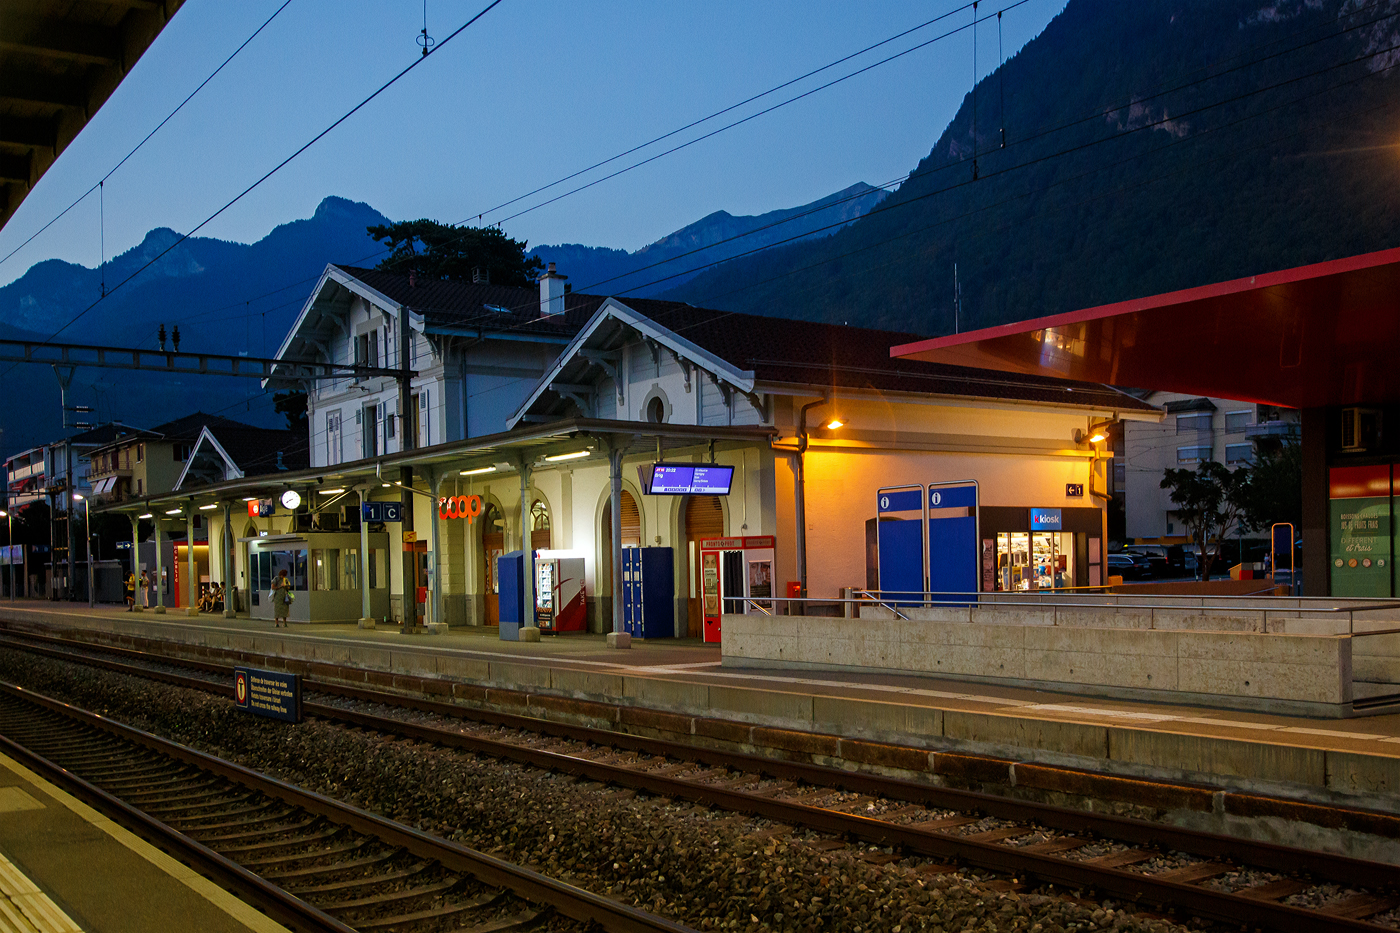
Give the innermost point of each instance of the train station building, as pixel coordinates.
(537, 408)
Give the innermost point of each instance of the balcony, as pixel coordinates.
(1274, 429)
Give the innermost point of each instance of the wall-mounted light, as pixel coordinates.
(384, 485)
(478, 471)
(575, 455)
(834, 423)
(1097, 433)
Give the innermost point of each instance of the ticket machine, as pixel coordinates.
(559, 595)
(732, 572)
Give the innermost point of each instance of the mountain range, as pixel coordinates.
(1129, 149)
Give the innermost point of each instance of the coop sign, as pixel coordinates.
(468, 507)
(274, 694)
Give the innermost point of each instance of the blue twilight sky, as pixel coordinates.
(534, 91)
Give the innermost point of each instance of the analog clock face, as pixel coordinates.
(291, 498)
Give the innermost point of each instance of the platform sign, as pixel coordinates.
(274, 694)
(953, 557)
(899, 542)
(380, 512)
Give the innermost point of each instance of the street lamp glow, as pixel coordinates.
(1097, 437)
(834, 423)
(575, 455)
(77, 497)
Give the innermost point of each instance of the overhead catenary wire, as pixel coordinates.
(1182, 170)
(147, 137)
(1096, 114)
(278, 167)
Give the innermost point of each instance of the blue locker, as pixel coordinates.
(648, 592)
(510, 577)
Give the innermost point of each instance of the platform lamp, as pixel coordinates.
(831, 424)
(87, 530)
(10, 548)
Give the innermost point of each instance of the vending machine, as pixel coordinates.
(734, 571)
(559, 594)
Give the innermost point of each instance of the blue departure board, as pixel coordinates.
(691, 479)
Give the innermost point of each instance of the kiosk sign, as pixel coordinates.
(274, 694)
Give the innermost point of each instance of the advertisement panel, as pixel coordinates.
(1359, 500)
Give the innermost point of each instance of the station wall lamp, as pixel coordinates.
(1097, 433)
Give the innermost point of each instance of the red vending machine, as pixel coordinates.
(559, 595)
(732, 572)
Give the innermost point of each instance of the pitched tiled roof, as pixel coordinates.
(780, 350)
(263, 450)
(493, 307)
(188, 427)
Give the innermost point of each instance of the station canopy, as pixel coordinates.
(1319, 335)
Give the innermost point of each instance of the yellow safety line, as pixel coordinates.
(26, 909)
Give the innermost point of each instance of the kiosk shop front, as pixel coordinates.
(1027, 549)
(733, 571)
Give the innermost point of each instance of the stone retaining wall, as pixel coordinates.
(1238, 669)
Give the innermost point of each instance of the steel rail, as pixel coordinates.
(571, 901)
(278, 904)
(1059, 870)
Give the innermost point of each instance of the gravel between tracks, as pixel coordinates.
(710, 870)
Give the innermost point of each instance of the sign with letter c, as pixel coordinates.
(468, 507)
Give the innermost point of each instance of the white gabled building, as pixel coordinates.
(477, 351)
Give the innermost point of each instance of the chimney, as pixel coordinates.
(551, 293)
(481, 276)
(412, 278)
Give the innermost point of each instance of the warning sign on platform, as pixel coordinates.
(274, 694)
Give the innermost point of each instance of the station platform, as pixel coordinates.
(1200, 758)
(65, 868)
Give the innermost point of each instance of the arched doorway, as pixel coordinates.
(631, 534)
(539, 526)
(704, 518)
(493, 545)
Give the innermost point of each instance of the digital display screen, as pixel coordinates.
(691, 479)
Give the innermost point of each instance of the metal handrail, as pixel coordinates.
(883, 599)
(882, 603)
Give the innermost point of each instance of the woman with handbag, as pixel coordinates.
(281, 599)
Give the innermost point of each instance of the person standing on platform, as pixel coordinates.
(145, 590)
(281, 599)
(130, 591)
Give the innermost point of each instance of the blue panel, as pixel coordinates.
(952, 557)
(648, 592)
(902, 556)
(510, 576)
(1046, 520)
(952, 497)
(903, 500)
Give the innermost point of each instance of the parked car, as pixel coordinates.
(1154, 559)
(1128, 566)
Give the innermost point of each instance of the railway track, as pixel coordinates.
(1236, 881)
(310, 862)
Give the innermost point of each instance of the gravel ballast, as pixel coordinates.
(707, 869)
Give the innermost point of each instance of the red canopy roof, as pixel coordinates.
(1325, 334)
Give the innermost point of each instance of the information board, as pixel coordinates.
(274, 694)
(691, 479)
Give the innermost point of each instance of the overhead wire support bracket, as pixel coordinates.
(70, 355)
